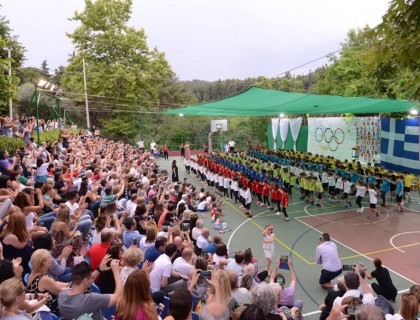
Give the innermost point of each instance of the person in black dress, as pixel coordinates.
(385, 287)
(175, 177)
(182, 149)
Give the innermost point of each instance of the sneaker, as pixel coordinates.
(262, 204)
(286, 219)
(249, 216)
(319, 205)
(270, 208)
(358, 210)
(312, 203)
(346, 206)
(362, 208)
(278, 213)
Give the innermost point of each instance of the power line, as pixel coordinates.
(309, 62)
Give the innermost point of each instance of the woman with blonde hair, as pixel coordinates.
(225, 292)
(13, 299)
(64, 233)
(12, 296)
(148, 241)
(136, 302)
(40, 282)
(131, 258)
(16, 239)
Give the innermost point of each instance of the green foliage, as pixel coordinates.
(29, 75)
(396, 49)
(8, 86)
(11, 144)
(123, 73)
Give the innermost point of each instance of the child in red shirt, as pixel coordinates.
(276, 197)
(285, 203)
(266, 194)
(259, 190)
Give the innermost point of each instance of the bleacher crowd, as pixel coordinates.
(92, 228)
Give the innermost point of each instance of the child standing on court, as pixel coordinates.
(360, 193)
(373, 201)
(268, 245)
(399, 190)
(285, 203)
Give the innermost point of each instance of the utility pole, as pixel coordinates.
(9, 55)
(86, 95)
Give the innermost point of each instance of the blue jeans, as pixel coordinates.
(66, 276)
(47, 219)
(84, 225)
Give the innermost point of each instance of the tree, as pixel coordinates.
(346, 75)
(45, 70)
(120, 66)
(28, 75)
(395, 51)
(8, 86)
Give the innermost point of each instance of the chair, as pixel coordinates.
(109, 313)
(165, 312)
(54, 317)
(95, 288)
(26, 278)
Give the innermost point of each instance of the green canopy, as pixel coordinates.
(263, 102)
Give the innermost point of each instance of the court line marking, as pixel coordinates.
(359, 253)
(240, 226)
(342, 223)
(319, 311)
(391, 241)
(262, 229)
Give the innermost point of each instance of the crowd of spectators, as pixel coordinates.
(93, 228)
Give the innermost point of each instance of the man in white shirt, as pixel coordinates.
(203, 240)
(327, 255)
(162, 277)
(140, 145)
(352, 282)
(231, 145)
(183, 265)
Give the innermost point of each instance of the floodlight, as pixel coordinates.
(414, 112)
(282, 115)
(52, 87)
(181, 114)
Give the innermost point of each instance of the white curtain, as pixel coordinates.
(295, 125)
(275, 129)
(284, 129)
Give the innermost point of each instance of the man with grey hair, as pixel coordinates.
(214, 311)
(364, 312)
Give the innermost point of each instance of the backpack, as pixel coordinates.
(384, 305)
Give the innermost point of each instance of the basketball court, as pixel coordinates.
(394, 237)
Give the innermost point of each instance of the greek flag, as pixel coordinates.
(400, 144)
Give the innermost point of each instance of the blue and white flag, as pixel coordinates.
(400, 144)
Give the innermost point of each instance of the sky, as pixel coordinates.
(208, 39)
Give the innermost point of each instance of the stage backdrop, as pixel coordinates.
(400, 144)
(332, 137)
(301, 143)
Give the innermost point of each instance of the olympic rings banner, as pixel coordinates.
(332, 137)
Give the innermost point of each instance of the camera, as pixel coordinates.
(284, 259)
(348, 267)
(205, 275)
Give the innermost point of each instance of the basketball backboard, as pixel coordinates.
(219, 125)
